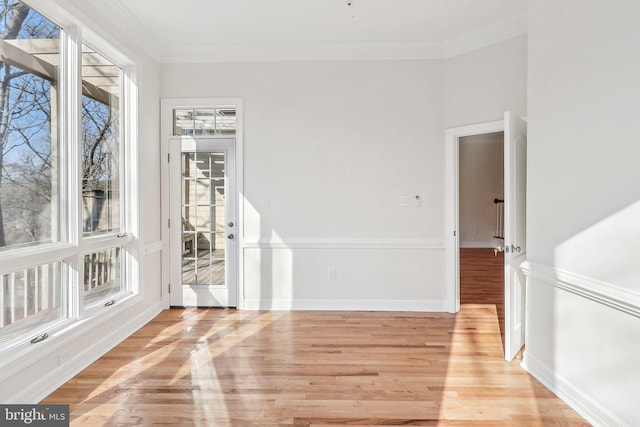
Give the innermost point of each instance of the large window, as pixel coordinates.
(28, 128)
(65, 225)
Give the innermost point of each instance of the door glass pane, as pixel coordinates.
(29, 179)
(203, 219)
(100, 143)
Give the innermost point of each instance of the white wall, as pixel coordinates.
(481, 170)
(481, 85)
(584, 204)
(334, 145)
(57, 359)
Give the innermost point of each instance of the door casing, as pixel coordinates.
(452, 238)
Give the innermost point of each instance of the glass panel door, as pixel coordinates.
(203, 225)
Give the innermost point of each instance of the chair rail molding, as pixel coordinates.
(604, 293)
(342, 243)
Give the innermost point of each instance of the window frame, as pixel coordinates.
(71, 245)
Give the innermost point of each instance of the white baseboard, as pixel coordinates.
(583, 404)
(38, 390)
(346, 305)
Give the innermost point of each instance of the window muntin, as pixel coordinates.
(100, 133)
(29, 181)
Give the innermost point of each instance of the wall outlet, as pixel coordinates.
(404, 200)
(331, 273)
(266, 201)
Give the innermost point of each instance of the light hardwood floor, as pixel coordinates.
(482, 279)
(208, 367)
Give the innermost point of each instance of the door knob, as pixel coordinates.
(231, 224)
(231, 236)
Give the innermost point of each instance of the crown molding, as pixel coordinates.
(485, 36)
(121, 19)
(301, 52)
(126, 22)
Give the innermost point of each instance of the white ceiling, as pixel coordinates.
(204, 30)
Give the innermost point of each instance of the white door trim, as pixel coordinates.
(452, 237)
(166, 130)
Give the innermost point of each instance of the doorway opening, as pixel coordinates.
(514, 246)
(481, 221)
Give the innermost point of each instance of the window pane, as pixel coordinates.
(226, 121)
(100, 144)
(30, 298)
(102, 277)
(28, 126)
(204, 121)
(182, 122)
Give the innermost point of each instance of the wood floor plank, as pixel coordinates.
(199, 367)
(482, 279)
(236, 368)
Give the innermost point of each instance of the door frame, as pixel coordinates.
(452, 188)
(167, 105)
